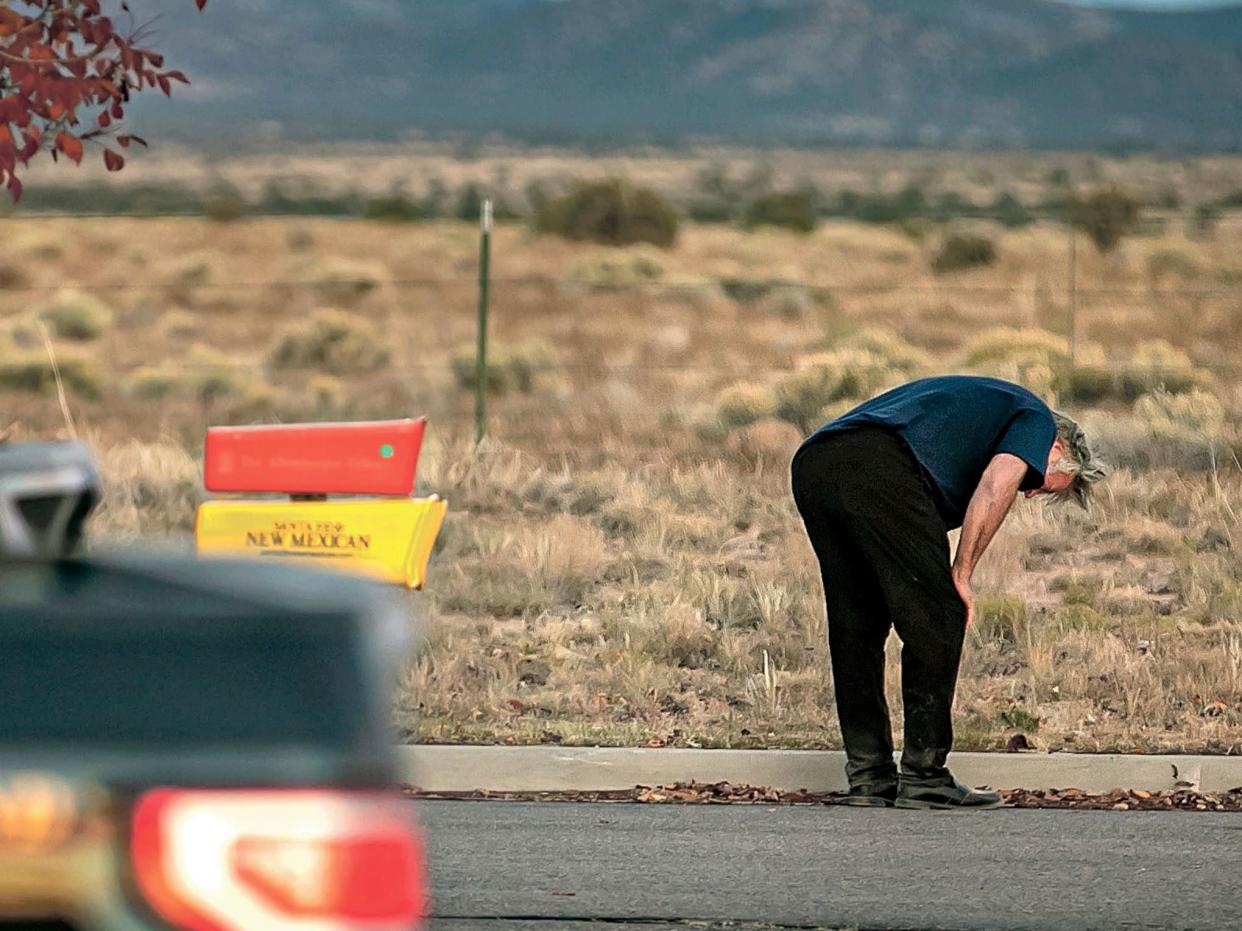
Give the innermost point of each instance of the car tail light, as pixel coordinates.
(248, 860)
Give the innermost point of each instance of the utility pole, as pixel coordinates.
(1073, 312)
(480, 388)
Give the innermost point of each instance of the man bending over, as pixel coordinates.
(878, 489)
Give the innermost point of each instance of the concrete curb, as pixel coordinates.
(570, 769)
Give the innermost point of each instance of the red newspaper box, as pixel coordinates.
(377, 458)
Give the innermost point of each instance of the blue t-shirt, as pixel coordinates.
(954, 425)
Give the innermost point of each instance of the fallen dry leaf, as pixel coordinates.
(1181, 799)
(724, 793)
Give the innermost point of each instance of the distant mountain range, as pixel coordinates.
(946, 73)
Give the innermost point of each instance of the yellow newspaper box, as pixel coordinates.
(389, 539)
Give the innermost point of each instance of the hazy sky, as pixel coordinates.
(1159, 4)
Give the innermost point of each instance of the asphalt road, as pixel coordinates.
(565, 867)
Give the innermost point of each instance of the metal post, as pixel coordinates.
(480, 389)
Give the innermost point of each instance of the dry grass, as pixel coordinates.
(153, 489)
(622, 564)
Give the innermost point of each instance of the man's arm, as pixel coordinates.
(986, 512)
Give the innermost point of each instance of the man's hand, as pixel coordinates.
(986, 512)
(968, 596)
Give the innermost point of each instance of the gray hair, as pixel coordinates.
(1078, 461)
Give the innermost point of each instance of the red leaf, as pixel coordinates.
(33, 138)
(15, 188)
(66, 57)
(10, 22)
(11, 108)
(71, 146)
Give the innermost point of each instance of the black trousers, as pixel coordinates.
(883, 551)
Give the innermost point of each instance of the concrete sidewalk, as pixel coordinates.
(569, 769)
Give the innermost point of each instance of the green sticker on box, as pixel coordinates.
(386, 451)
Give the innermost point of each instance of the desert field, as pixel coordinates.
(622, 563)
(416, 167)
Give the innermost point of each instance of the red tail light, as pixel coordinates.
(246, 860)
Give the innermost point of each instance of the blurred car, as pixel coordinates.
(185, 744)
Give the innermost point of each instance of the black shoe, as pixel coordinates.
(950, 795)
(871, 796)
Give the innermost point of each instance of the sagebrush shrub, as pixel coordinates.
(1188, 431)
(1001, 618)
(153, 383)
(326, 394)
(1171, 263)
(1106, 216)
(801, 396)
(1000, 344)
(742, 404)
(31, 370)
(862, 373)
(529, 362)
(788, 303)
(961, 251)
(895, 351)
(343, 282)
(214, 376)
(827, 377)
(1040, 360)
(332, 341)
(764, 442)
(1089, 382)
(178, 324)
(634, 267)
(1194, 413)
(610, 212)
(523, 368)
(76, 316)
(1157, 364)
(256, 402)
(792, 210)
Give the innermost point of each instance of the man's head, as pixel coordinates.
(1072, 468)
